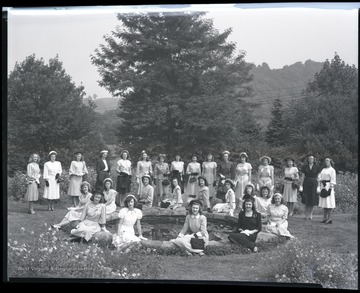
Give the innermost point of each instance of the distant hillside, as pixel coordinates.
(104, 104)
(286, 83)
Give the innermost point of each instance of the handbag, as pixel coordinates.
(197, 243)
(166, 182)
(325, 193)
(192, 179)
(295, 185)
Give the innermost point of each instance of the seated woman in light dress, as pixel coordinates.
(93, 219)
(195, 222)
(175, 201)
(129, 216)
(109, 196)
(277, 218)
(146, 196)
(74, 213)
(229, 205)
(263, 202)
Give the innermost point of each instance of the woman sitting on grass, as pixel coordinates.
(195, 223)
(249, 225)
(229, 205)
(263, 202)
(93, 219)
(74, 213)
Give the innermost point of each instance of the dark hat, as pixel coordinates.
(195, 201)
(203, 178)
(78, 152)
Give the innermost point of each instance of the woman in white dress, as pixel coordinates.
(327, 182)
(263, 202)
(177, 170)
(242, 177)
(143, 166)
(33, 181)
(52, 173)
(177, 200)
(129, 217)
(209, 173)
(193, 170)
(229, 205)
(291, 174)
(109, 196)
(76, 172)
(265, 174)
(93, 219)
(161, 172)
(123, 183)
(146, 197)
(74, 213)
(277, 218)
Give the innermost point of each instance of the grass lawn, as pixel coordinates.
(341, 237)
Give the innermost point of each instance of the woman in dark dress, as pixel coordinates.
(102, 168)
(309, 174)
(249, 225)
(225, 170)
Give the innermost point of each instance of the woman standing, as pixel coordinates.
(193, 169)
(291, 175)
(93, 219)
(309, 176)
(195, 223)
(74, 213)
(109, 197)
(129, 217)
(327, 182)
(77, 171)
(161, 172)
(249, 225)
(52, 173)
(102, 168)
(146, 197)
(123, 183)
(33, 181)
(143, 167)
(265, 174)
(204, 194)
(225, 170)
(242, 177)
(177, 170)
(277, 219)
(209, 173)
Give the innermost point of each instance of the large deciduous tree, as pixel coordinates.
(181, 81)
(45, 109)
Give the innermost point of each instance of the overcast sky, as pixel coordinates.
(268, 33)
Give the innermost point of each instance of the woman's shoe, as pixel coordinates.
(328, 222)
(56, 227)
(323, 221)
(188, 253)
(201, 254)
(31, 212)
(255, 249)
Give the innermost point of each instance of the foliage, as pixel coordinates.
(182, 83)
(42, 104)
(298, 263)
(346, 192)
(46, 256)
(275, 130)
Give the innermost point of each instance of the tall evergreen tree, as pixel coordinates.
(181, 81)
(275, 130)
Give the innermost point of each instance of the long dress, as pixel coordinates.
(277, 220)
(76, 172)
(142, 167)
(102, 168)
(265, 173)
(328, 177)
(160, 170)
(50, 170)
(241, 178)
(209, 172)
(127, 233)
(310, 184)
(226, 169)
(192, 188)
(147, 194)
(290, 193)
(110, 196)
(203, 196)
(91, 218)
(33, 176)
(123, 181)
(247, 223)
(75, 213)
(262, 205)
(193, 224)
(228, 206)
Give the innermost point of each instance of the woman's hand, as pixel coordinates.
(301, 188)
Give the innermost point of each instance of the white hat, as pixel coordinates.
(52, 153)
(108, 179)
(226, 152)
(104, 151)
(265, 157)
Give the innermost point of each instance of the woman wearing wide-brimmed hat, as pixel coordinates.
(76, 172)
(123, 182)
(146, 196)
(109, 196)
(102, 168)
(209, 173)
(162, 182)
(309, 182)
(291, 176)
(193, 169)
(143, 166)
(265, 174)
(52, 173)
(225, 170)
(242, 177)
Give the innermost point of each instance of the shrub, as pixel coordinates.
(346, 192)
(17, 186)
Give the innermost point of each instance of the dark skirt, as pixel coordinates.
(243, 240)
(99, 184)
(221, 191)
(311, 198)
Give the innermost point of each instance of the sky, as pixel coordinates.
(278, 34)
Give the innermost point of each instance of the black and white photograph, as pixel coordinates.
(182, 143)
